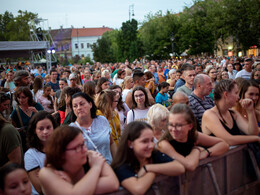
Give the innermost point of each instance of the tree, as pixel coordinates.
(15, 28)
(129, 45)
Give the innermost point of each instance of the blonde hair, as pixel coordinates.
(156, 113)
(126, 80)
(104, 101)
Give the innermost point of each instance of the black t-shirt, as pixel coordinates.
(182, 148)
(126, 170)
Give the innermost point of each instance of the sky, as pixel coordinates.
(95, 13)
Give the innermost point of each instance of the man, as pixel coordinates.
(156, 76)
(139, 80)
(62, 83)
(246, 72)
(21, 78)
(231, 72)
(180, 82)
(39, 72)
(198, 69)
(180, 98)
(73, 80)
(199, 99)
(189, 75)
(54, 83)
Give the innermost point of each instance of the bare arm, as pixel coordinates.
(55, 104)
(15, 155)
(150, 97)
(113, 147)
(173, 168)
(138, 185)
(211, 124)
(108, 181)
(52, 183)
(34, 178)
(250, 127)
(216, 146)
(128, 100)
(190, 162)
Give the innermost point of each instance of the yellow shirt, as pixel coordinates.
(115, 126)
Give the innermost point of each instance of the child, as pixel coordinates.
(162, 96)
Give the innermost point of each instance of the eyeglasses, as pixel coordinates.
(178, 127)
(139, 96)
(78, 148)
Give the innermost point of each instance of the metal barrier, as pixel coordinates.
(233, 173)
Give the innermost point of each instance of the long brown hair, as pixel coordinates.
(190, 119)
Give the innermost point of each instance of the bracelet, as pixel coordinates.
(145, 169)
(209, 153)
(196, 148)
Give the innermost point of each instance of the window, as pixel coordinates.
(82, 45)
(88, 45)
(82, 55)
(76, 46)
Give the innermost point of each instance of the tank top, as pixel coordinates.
(182, 148)
(235, 129)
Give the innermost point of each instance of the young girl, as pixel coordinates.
(137, 163)
(72, 169)
(14, 180)
(182, 141)
(162, 96)
(40, 129)
(46, 100)
(140, 105)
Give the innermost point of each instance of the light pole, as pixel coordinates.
(172, 40)
(131, 11)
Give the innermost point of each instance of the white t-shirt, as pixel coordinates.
(122, 115)
(137, 115)
(244, 74)
(99, 133)
(124, 94)
(33, 159)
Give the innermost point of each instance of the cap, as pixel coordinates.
(72, 76)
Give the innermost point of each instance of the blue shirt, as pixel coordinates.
(55, 86)
(162, 99)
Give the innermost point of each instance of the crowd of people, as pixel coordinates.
(88, 129)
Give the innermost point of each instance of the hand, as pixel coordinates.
(67, 99)
(141, 172)
(247, 104)
(95, 159)
(32, 109)
(149, 86)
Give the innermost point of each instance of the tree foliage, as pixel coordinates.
(15, 28)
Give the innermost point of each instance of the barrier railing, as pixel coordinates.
(232, 173)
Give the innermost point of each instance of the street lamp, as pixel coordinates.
(172, 39)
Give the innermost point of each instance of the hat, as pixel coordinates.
(72, 76)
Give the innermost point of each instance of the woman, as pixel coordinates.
(172, 80)
(24, 111)
(127, 86)
(46, 100)
(137, 163)
(212, 73)
(102, 84)
(223, 75)
(96, 76)
(9, 83)
(120, 77)
(248, 89)
(14, 180)
(227, 124)
(140, 106)
(121, 107)
(107, 74)
(90, 88)
(96, 129)
(255, 74)
(184, 143)
(37, 88)
(72, 169)
(106, 103)
(5, 101)
(10, 144)
(150, 85)
(158, 118)
(39, 131)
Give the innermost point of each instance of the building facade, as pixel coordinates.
(83, 38)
